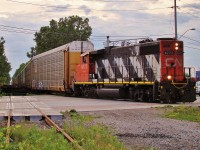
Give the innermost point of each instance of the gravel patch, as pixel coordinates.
(147, 128)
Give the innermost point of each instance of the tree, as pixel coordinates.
(59, 33)
(5, 66)
(31, 53)
(17, 71)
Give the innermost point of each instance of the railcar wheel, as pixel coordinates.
(77, 91)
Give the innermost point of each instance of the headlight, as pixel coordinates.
(169, 77)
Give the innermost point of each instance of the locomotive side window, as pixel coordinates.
(84, 59)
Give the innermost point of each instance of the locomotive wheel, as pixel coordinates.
(89, 92)
(169, 100)
(93, 93)
(138, 96)
(85, 92)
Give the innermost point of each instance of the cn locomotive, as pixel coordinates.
(143, 70)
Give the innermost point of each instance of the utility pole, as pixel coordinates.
(175, 20)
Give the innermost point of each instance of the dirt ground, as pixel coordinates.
(146, 128)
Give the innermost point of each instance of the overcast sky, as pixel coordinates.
(120, 19)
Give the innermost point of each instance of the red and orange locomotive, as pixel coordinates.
(144, 71)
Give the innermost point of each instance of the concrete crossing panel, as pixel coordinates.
(24, 107)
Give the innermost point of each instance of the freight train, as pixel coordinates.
(139, 70)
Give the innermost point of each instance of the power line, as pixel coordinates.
(194, 6)
(116, 1)
(131, 36)
(17, 28)
(99, 37)
(28, 3)
(111, 1)
(193, 47)
(189, 13)
(24, 30)
(7, 30)
(130, 9)
(95, 36)
(197, 30)
(191, 43)
(104, 36)
(190, 39)
(171, 16)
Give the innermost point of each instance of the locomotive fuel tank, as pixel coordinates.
(117, 93)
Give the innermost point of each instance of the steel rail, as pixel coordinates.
(8, 123)
(52, 123)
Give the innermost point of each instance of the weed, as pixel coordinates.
(87, 134)
(165, 106)
(91, 136)
(30, 137)
(184, 113)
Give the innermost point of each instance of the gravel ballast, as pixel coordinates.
(148, 129)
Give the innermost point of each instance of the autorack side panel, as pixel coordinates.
(27, 71)
(48, 70)
(24, 77)
(54, 69)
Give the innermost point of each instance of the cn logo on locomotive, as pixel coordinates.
(172, 62)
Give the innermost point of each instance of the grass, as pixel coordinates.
(2, 94)
(29, 137)
(183, 113)
(88, 135)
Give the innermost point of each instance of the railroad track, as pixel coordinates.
(47, 119)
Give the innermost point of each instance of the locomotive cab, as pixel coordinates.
(86, 69)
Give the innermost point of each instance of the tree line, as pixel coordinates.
(5, 66)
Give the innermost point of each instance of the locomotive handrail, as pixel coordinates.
(182, 86)
(187, 79)
(127, 42)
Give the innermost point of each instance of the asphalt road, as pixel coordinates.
(61, 103)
